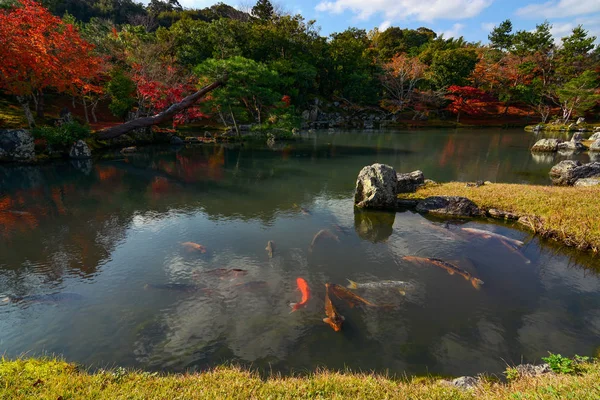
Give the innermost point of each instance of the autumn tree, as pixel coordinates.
(400, 78)
(463, 99)
(41, 52)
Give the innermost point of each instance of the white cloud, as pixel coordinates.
(384, 25)
(488, 26)
(559, 9)
(454, 32)
(422, 10)
(562, 29)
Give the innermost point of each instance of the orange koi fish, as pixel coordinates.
(351, 298)
(333, 319)
(191, 246)
(489, 235)
(450, 268)
(303, 288)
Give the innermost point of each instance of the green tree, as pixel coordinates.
(453, 67)
(121, 90)
(263, 10)
(574, 54)
(501, 37)
(540, 40)
(578, 95)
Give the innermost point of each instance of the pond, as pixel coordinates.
(95, 261)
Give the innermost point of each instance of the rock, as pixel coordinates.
(408, 183)
(176, 141)
(83, 165)
(430, 182)
(16, 145)
(580, 121)
(572, 127)
(245, 128)
(465, 382)
(376, 187)
(587, 182)
(595, 136)
(406, 203)
(577, 137)
(129, 150)
(80, 151)
(595, 146)
(567, 172)
(374, 226)
(475, 184)
(546, 145)
(368, 124)
(449, 205)
(495, 213)
(530, 370)
(572, 146)
(537, 128)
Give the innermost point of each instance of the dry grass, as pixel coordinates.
(567, 214)
(56, 379)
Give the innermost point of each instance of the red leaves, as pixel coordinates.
(464, 99)
(40, 51)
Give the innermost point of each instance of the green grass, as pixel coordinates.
(56, 379)
(566, 214)
(11, 115)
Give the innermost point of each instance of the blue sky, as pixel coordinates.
(472, 19)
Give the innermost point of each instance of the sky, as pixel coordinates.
(472, 19)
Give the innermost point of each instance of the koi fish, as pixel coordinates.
(175, 287)
(43, 298)
(323, 233)
(515, 251)
(400, 285)
(270, 248)
(191, 246)
(303, 288)
(303, 210)
(333, 319)
(450, 268)
(488, 235)
(352, 299)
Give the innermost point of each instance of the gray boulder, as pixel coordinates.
(546, 145)
(595, 146)
(80, 151)
(376, 187)
(449, 205)
(530, 370)
(580, 120)
(567, 172)
(408, 183)
(16, 145)
(176, 141)
(577, 137)
(501, 214)
(588, 182)
(465, 382)
(572, 146)
(595, 136)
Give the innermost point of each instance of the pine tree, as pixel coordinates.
(263, 10)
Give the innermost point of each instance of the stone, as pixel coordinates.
(406, 203)
(584, 182)
(577, 137)
(546, 145)
(465, 382)
(595, 136)
(430, 182)
(176, 140)
(80, 151)
(16, 145)
(530, 370)
(567, 172)
(409, 182)
(580, 120)
(475, 184)
(500, 214)
(572, 127)
(376, 187)
(129, 150)
(595, 146)
(572, 146)
(374, 225)
(449, 205)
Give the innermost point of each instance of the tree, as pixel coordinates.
(540, 40)
(501, 37)
(263, 10)
(463, 100)
(41, 52)
(453, 67)
(579, 95)
(400, 78)
(574, 54)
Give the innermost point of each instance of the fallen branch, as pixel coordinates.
(143, 122)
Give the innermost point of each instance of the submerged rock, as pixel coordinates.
(449, 205)
(409, 182)
(546, 145)
(374, 226)
(567, 172)
(16, 145)
(80, 151)
(376, 187)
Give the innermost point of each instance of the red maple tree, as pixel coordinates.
(464, 99)
(40, 51)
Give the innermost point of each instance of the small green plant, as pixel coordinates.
(560, 364)
(511, 373)
(63, 135)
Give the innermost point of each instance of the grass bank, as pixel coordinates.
(55, 379)
(566, 214)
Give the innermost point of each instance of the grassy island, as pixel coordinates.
(56, 379)
(566, 214)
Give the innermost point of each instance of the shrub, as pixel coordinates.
(62, 135)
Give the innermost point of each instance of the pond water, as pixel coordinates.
(86, 250)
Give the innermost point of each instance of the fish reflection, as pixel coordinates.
(305, 291)
(333, 319)
(515, 251)
(450, 268)
(489, 235)
(191, 246)
(322, 234)
(303, 210)
(400, 285)
(270, 248)
(43, 298)
(351, 298)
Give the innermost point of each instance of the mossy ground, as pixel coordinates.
(567, 214)
(56, 379)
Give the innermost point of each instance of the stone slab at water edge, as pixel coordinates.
(16, 145)
(568, 172)
(378, 185)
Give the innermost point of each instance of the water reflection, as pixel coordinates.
(112, 233)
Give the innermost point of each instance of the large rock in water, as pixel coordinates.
(567, 172)
(449, 205)
(408, 183)
(80, 151)
(572, 146)
(376, 187)
(546, 145)
(595, 136)
(595, 146)
(16, 145)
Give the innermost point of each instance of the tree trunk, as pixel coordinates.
(85, 110)
(24, 102)
(94, 105)
(144, 122)
(39, 106)
(234, 123)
